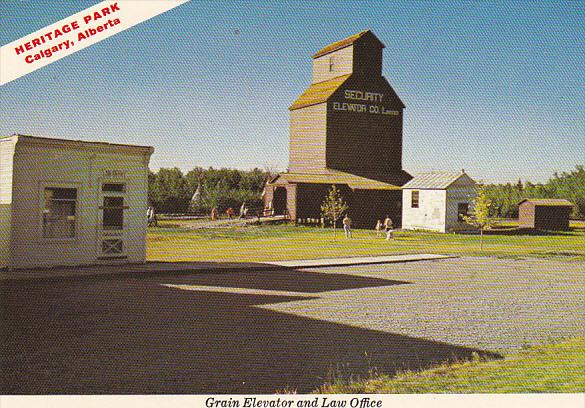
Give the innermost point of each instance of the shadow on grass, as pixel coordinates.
(136, 336)
(532, 232)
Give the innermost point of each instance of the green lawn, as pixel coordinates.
(550, 368)
(171, 242)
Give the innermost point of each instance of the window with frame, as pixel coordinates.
(114, 187)
(462, 211)
(414, 199)
(113, 213)
(59, 210)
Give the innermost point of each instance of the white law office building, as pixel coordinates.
(437, 201)
(65, 202)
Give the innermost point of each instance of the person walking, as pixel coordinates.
(214, 214)
(151, 217)
(243, 210)
(379, 227)
(270, 209)
(229, 212)
(389, 228)
(347, 226)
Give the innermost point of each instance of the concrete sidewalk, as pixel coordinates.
(157, 268)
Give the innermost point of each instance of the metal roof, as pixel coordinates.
(346, 42)
(552, 202)
(319, 92)
(336, 177)
(435, 180)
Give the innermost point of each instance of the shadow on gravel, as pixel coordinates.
(135, 336)
(289, 280)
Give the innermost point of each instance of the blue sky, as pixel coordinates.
(496, 88)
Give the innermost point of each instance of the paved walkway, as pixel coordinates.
(362, 260)
(151, 268)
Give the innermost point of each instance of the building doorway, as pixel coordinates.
(279, 201)
(111, 226)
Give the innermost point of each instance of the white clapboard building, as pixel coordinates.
(65, 202)
(437, 201)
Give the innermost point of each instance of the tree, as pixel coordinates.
(567, 185)
(480, 214)
(333, 207)
(168, 191)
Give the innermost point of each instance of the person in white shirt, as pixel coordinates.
(389, 227)
(347, 226)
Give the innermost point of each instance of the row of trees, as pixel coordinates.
(198, 191)
(504, 198)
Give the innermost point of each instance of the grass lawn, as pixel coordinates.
(173, 242)
(549, 368)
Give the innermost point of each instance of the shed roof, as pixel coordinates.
(336, 177)
(436, 180)
(346, 42)
(550, 202)
(51, 141)
(319, 92)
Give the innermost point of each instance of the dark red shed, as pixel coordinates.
(546, 214)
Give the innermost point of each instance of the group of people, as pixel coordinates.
(387, 226)
(230, 213)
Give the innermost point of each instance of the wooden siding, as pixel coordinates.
(552, 217)
(368, 206)
(291, 201)
(526, 215)
(367, 58)
(341, 64)
(365, 141)
(327, 135)
(462, 191)
(365, 206)
(311, 196)
(6, 165)
(40, 163)
(308, 138)
(545, 217)
(430, 213)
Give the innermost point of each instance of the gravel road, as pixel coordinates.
(258, 332)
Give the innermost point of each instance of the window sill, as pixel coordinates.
(57, 240)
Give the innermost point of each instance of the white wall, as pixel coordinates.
(438, 209)
(461, 191)
(6, 155)
(38, 165)
(430, 214)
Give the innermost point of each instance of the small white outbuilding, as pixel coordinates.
(437, 201)
(65, 202)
